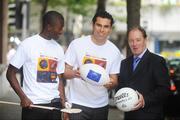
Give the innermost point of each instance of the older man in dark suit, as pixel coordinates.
(147, 73)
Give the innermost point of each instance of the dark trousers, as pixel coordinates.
(142, 115)
(42, 114)
(90, 113)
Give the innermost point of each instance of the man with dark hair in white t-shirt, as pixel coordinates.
(42, 59)
(95, 48)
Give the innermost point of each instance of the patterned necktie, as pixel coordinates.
(135, 62)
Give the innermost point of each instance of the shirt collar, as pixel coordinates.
(140, 56)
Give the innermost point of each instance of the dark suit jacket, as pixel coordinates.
(151, 79)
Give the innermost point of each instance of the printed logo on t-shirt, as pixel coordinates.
(46, 70)
(94, 76)
(95, 60)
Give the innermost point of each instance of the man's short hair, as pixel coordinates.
(141, 29)
(103, 14)
(51, 18)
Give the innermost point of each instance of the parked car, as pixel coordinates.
(172, 107)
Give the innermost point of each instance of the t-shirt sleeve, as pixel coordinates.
(115, 67)
(20, 57)
(61, 64)
(70, 55)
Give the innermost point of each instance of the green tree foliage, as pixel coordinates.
(74, 6)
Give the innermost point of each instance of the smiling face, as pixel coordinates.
(101, 29)
(137, 41)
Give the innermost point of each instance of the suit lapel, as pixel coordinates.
(141, 63)
(132, 75)
(129, 67)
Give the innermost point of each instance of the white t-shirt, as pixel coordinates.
(10, 54)
(42, 61)
(81, 51)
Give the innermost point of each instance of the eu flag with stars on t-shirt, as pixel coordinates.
(92, 75)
